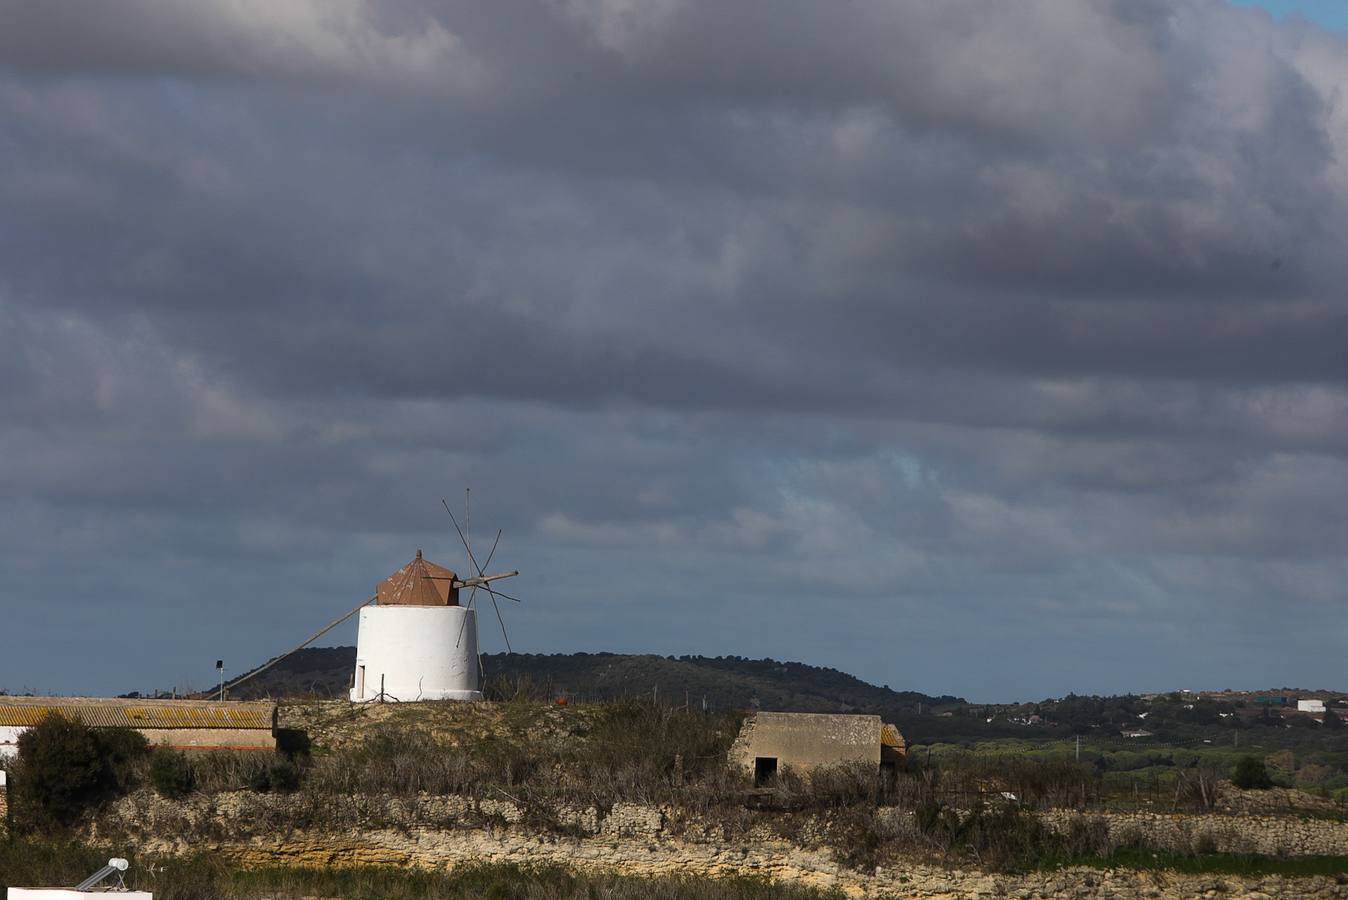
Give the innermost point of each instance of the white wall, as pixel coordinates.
(422, 652)
(9, 739)
(1314, 706)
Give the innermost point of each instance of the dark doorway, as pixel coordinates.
(765, 768)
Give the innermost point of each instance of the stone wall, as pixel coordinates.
(1267, 835)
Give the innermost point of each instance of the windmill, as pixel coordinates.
(415, 640)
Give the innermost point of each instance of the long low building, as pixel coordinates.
(183, 724)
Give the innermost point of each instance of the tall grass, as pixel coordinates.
(621, 752)
(36, 863)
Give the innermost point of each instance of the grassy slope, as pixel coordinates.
(32, 863)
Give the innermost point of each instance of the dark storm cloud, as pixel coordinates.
(1018, 319)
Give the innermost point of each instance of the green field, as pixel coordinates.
(1130, 774)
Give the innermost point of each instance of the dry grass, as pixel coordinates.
(593, 756)
(32, 863)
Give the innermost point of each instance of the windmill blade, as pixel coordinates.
(463, 623)
(503, 595)
(494, 606)
(471, 559)
(487, 564)
(486, 587)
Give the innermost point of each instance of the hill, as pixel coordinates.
(728, 682)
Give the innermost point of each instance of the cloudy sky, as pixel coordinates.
(998, 349)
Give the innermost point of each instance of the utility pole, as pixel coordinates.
(220, 668)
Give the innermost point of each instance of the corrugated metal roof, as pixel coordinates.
(140, 714)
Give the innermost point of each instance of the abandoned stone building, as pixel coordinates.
(771, 742)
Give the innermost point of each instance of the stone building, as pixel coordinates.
(772, 741)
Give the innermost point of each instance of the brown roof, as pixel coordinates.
(419, 583)
(107, 713)
(890, 737)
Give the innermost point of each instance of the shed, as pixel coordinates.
(771, 741)
(182, 724)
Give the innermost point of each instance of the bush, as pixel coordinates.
(282, 775)
(171, 773)
(859, 838)
(1001, 837)
(1251, 774)
(1197, 788)
(826, 787)
(65, 769)
(122, 750)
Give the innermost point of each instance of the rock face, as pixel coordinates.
(440, 832)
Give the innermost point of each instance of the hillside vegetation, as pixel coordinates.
(723, 683)
(1148, 724)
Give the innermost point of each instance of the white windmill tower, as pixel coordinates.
(416, 642)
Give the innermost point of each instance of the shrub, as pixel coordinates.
(282, 775)
(122, 749)
(1251, 774)
(227, 770)
(859, 838)
(1001, 837)
(1197, 788)
(65, 769)
(171, 773)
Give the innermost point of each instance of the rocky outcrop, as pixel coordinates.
(439, 832)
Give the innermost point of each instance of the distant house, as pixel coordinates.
(772, 741)
(1138, 733)
(1311, 706)
(183, 724)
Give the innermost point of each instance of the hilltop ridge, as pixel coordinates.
(726, 682)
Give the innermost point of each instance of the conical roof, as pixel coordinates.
(419, 583)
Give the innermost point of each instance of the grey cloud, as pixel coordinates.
(882, 321)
